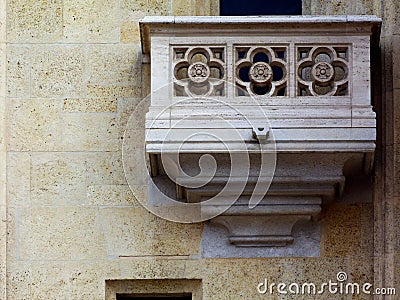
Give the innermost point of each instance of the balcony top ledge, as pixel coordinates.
(258, 19)
(187, 25)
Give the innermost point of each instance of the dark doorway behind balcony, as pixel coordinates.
(260, 7)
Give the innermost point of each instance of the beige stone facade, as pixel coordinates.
(71, 73)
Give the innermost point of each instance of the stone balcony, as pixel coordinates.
(265, 115)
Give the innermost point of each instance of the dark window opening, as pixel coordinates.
(260, 7)
(154, 297)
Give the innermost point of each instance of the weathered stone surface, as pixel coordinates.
(104, 168)
(18, 283)
(90, 105)
(391, 12)
(40, 125)
(34, 21)
(136, 232)
(131, 120)
(242, 280)
(114, 91)
(3, 29)
(361, 272)
(339, 7)
(60, 233)
(396, 179)
(76, 281)
(34, 125)
(19, 179)
(58, 179)
(58, 71)
(60, 279)
(3, 152)
(12, 249)
(90, 132)
(136, 194)
(342, 224)
(228, 280)
(395, 44)
(117, 65)
(153, 268)
(95, 21)
(130, 32)
(367, 237)
(18, 71)
(136, 9)
(3, 73)
(183, 8)
(110, 195)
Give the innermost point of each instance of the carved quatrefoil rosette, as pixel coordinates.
(323, 71)
(199, 71)
(261, 71)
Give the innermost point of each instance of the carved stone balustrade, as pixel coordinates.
(277, 108)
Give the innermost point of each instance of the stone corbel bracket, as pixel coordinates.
(270, 223)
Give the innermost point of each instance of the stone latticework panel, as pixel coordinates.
(323, 70)
(261, 70)
(199, 71)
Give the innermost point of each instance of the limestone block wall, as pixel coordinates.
(70, 76)
(387, 192)
(3, 152)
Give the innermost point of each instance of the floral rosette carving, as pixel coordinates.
(261, 71)
(199, 71)
(323, 71)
